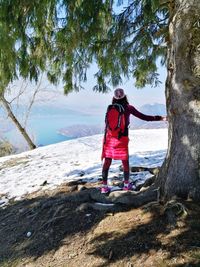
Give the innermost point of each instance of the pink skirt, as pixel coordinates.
(115, 148)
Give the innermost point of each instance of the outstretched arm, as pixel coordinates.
(144, 117)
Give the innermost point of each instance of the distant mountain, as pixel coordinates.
(154, 109)
(81, 130)
(149, 109)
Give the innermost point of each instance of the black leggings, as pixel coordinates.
(106, 166)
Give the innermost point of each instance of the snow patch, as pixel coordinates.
(74, 159)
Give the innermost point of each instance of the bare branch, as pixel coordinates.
(32, 101)
(21, 92)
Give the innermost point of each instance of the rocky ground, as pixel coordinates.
(69, 227)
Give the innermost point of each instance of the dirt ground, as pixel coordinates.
(48, 229)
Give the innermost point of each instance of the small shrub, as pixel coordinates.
(5, 148)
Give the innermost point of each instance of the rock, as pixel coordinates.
(110, 255)
(28, 234)
(44, 183)
(82, 173)
(81, 187)
(154, 171)
(2, 202)
(149, 181)
(121, 168)
(118, 183)
(143, 188)
(76, 182)
(73, 188)
(138, 169)
(122, 197)
(83, 207)
(72, 255)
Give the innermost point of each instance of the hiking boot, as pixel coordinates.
(127, 186)
(105, 190)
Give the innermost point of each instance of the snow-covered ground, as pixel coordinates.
(79, 158)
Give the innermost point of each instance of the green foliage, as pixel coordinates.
(63, 38)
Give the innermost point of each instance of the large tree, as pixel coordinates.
(180, 173)
(64, 37)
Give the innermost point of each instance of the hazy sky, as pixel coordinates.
(89, 101)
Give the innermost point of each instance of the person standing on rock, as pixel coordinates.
(115, 143)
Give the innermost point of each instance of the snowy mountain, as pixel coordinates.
(54, 164)
(150, 109)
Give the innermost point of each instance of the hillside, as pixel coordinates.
(52, 214)
(26, 172)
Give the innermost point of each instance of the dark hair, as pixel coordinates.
(123, 101)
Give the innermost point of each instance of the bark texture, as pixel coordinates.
(17, 123)
(180, 173)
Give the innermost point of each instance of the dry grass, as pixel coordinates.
(13, 162)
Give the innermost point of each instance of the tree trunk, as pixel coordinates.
(180, 173)
(17, 123)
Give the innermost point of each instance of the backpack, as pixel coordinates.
(115, 120)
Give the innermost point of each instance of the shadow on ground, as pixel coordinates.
(149, 235)
(158, 235)
(49, 220)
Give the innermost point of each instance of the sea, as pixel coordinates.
(44, 123)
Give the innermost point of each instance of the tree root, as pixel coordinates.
(176, 207)
(101, 207)
(147, 183)
(135, 199)
(131, 198)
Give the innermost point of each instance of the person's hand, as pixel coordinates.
(164, 118)
(161, 118)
